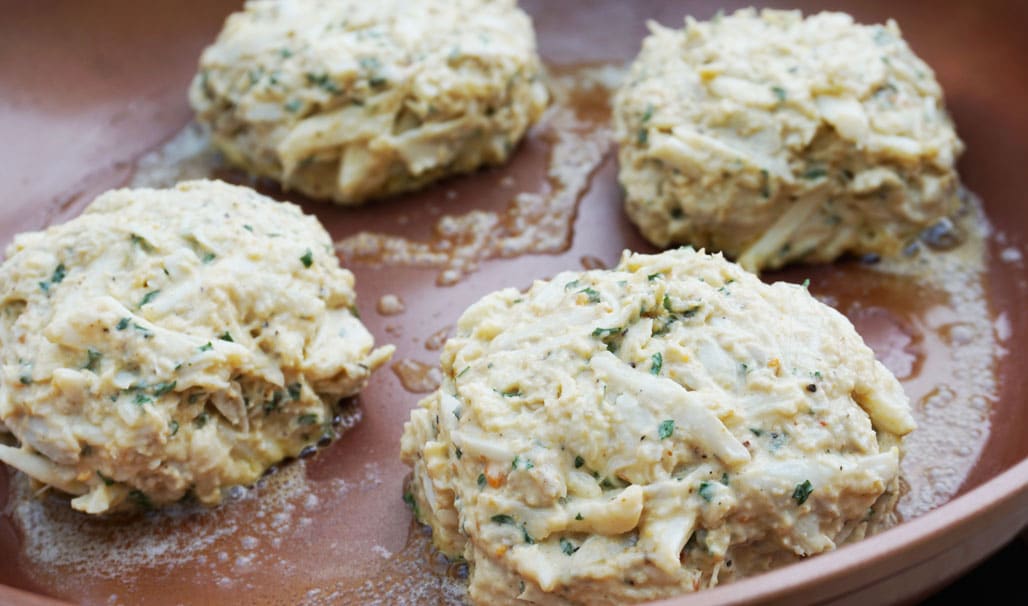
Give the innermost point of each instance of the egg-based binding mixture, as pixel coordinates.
(625, 435)
(779, 139)
(174, 341)
(350, 100)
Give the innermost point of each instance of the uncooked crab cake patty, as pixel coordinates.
(350, 100)
(778, 139)
(173, 341)
(625, 435)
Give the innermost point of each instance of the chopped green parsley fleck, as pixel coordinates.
(272, 404)
(802, 492)
(666, 428)
(408, 498)
(162, 388)
(657, 362)
(148, 297)
(520, 463)
(92, 358)
(141, 243)
(567, 547)
(373, 66)
(324, 82)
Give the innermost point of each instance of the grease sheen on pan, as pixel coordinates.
(174, 341)
(350, 100)
(779, 139)
(623, 435)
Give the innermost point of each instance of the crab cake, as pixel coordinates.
(350, 100)
(626, 435)
(174, 341)
(778, 139)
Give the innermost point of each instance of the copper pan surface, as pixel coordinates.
(88, 88)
